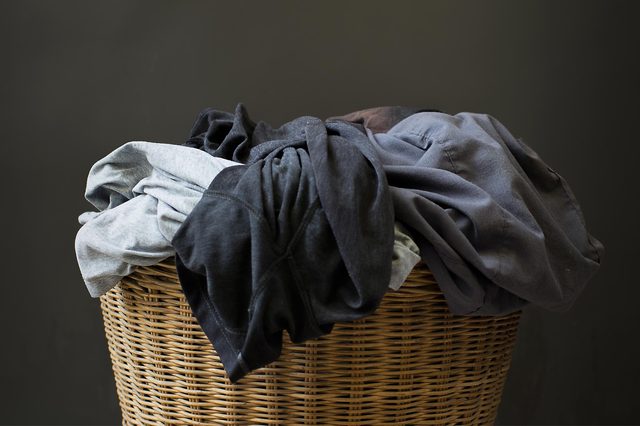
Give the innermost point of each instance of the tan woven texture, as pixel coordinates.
(410, 363)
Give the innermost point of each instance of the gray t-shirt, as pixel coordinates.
(143, 192)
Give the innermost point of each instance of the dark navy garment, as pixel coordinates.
(297, 238)
(496, 225)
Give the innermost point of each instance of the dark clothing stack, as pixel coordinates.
(299, 234)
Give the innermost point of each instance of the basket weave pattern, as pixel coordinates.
(410, 363)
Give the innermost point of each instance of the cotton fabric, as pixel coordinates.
(273, 245)
(143, 191)
(496, 225)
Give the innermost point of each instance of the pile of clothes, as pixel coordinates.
(308, 224)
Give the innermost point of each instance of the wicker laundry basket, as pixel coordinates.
(410, 363)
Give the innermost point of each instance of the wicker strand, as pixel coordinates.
(410, 363)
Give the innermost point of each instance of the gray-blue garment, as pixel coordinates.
(144, 191)
(496, 225)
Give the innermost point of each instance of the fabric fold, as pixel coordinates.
(143, 191)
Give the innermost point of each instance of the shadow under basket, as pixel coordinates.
(410, 363)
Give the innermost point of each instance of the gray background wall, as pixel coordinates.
(80, 78)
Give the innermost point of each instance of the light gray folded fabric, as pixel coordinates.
(143, 191)
(406, 256)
